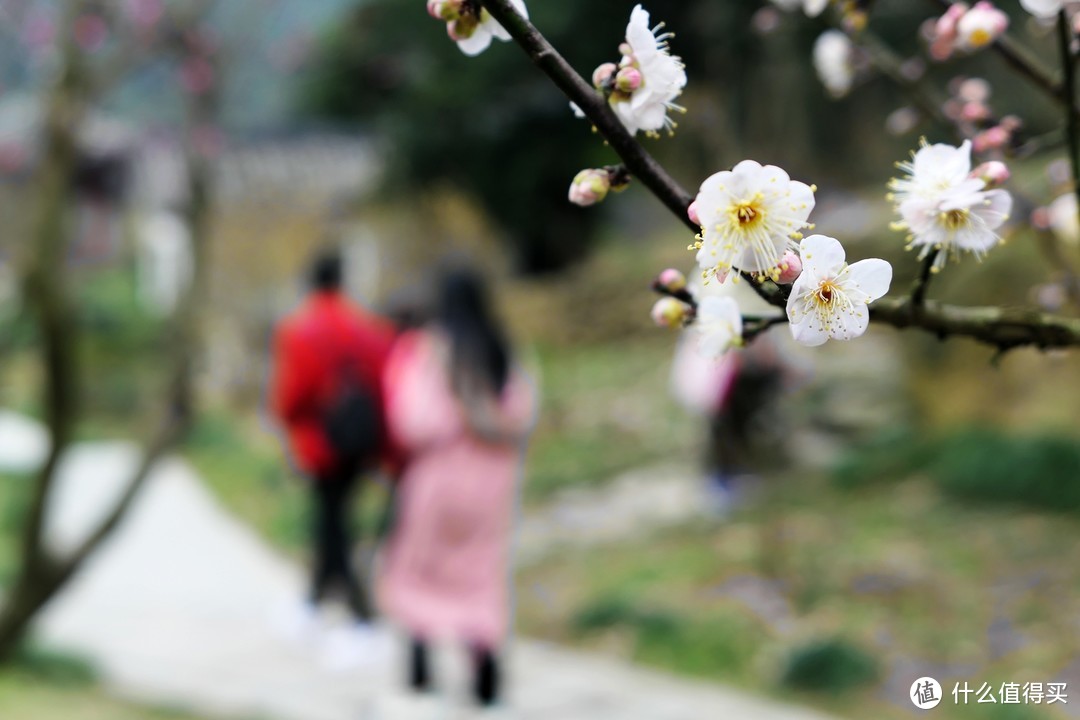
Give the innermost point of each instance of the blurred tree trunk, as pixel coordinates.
(42, 572)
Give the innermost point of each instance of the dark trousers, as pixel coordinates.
(332, 568)
(486, 676)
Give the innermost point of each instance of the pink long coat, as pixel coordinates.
(445, 574)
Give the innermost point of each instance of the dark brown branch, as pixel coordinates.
(45, 282)
(999, 327)
(1003, 328)
(636, 158)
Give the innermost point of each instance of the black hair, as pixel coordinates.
(326, 271)
(479, 350)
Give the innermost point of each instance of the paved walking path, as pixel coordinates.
(174, 610)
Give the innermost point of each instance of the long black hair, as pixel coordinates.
(479, 352)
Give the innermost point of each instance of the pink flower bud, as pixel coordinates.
(671, 280)
(448, 10)
(197, 76)
(1011, 123)
(993, 173)
(692, 212)
(975, 112)
(974, 90)
(790, 268)
(91, 32)
(628, 80)
(590, 187)
(603, 73)
(993, 138)
(945, 27)
(669, 312)
(626, 50)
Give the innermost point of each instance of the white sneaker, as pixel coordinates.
(353, 647)
(295, 622)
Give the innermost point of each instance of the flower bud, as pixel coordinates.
(671, 280)
(993, 138)
(974, 90)
(462, 28)
(692, 213)
(945, 27)
(628, 80)
(603, 73)
(975, 112)
(669, 312)
(590, 187)
(993, 173)
(448, 10)
(790, 268)
(626, 50)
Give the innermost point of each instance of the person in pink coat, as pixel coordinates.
(461, 409)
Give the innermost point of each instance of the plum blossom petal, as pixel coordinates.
(718, 326)
(1043, 8)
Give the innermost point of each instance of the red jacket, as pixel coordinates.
(311, 346)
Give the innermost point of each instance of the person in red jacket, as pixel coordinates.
(326, 348)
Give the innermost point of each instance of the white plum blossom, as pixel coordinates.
(980, 26)
(829, 299)
(945, 207)
(812, 8)
(1043, 8)
(718, 326)
(652, 78)
(750, 216)
(472, 27)
(833, 52)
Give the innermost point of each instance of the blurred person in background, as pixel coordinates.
(738, 396)
(461, 408)
(329, 358)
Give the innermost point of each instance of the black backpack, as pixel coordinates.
(354, 424)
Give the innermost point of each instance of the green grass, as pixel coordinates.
(866, 577)
(25, 696)
(606, 409)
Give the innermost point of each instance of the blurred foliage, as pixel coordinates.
(979, 465)
(829, 666)
(122, 349)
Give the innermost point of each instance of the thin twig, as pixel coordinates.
(1072, 121)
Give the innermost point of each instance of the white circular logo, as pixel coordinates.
(925, 693)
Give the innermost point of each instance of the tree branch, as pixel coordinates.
(45, 278)
(636, 158)
(1002, 328)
